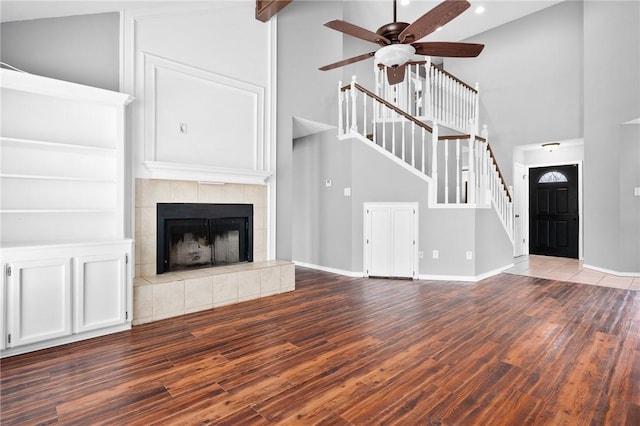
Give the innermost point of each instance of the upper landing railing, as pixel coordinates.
(430, 93)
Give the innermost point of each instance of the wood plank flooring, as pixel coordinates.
(509, 350)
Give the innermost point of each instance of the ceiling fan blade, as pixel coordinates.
(395, 74)
(448, 49)
(347, 61)
(433, 19)
(358, 32)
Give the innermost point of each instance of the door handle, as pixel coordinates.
(517, 215)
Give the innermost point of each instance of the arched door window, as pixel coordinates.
(552, 176)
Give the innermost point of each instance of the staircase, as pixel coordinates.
(428, 124)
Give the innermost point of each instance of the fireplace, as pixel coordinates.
(193, 235)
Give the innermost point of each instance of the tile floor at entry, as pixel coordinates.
(565, 269)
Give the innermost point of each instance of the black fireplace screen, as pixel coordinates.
(202, 235)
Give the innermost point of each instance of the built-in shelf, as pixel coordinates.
(57, 178)
(63, 246)
(41, 211)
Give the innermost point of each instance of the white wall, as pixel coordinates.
(612, 150)
(322, 220)
(304, 45)
(81, 49)
(530, 76)
(203, 98)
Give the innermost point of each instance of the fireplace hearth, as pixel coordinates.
(196, 235)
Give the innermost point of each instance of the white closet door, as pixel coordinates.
(391, 231)
(380, 241)
(403, 241)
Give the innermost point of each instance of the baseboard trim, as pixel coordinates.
(465, 278)
(609, 271)
(328, 269)
(430, 277)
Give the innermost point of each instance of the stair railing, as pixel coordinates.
(462, 168)
(398, 133)
(430, 93)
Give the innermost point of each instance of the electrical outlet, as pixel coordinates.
(469, 255)
(436, 254)
(420, 255)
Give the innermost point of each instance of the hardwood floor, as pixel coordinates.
(509, 350)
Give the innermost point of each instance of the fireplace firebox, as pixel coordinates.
(192, 235)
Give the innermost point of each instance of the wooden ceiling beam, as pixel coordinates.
(266, 9)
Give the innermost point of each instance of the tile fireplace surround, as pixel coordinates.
(171, 294)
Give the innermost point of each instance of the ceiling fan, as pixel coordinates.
(399, 39)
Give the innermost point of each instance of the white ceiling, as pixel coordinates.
(497, 12)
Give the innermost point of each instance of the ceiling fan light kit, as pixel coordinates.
(398, 39)
(395, 54)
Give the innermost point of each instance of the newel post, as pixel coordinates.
(486, 190)
(427, 105)
(476, 107)
(471, 174)
(354, 115)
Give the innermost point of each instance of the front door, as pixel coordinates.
(553, 212)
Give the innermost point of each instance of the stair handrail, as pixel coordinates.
(387, 104)
(495, 162)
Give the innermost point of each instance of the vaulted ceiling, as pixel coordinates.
(366, 13)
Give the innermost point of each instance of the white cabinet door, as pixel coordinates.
(39, 296)
(391, 237)
(100, 291)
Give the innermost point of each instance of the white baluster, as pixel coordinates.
(476, 108)
(434, 163)
(403, 138)
(451, 101)
(438, 112)
(456, 108)
(423, 148)
(413, 144)
(393, 133)
(340, 101)
(384, 129)
(446, 171)
(471, 174)
(458, 171)
(407, 90)
(347, 116)
(354, 116)
(427, 93)
(364, 113)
